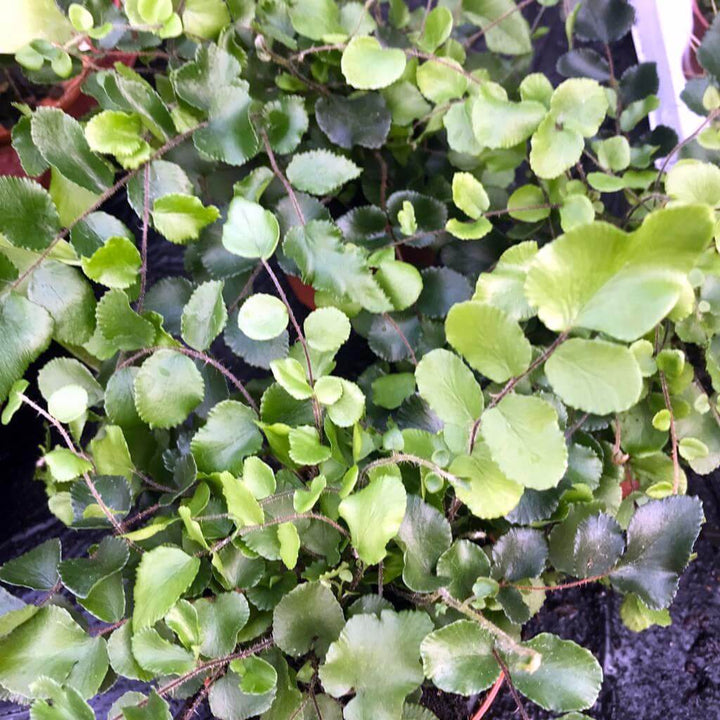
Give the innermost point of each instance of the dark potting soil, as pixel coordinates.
(16, 88)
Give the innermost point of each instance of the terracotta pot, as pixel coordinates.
(691, 66)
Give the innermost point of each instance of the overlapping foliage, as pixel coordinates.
(307, 544)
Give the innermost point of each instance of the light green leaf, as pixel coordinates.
(59, 702)
(250, 230)
(289, 544)
(554, 148)
(368, 66)
(163, 575)
(603, 279)
(569, 677)
(525, 441)
(348, 410)
(400, 281)
(242, 505)
(305, 446)
(449, 387)
(68, 404)
(595, 376)
(486, 491)
(575, 211)
(315, 18)
(506, 30)
(180, 218)
(204, 316)
(437, 28)
(326, 329)
(120, 325)
(168, 387)
(115, 132)
(227, 438)
(205, 18)
(157, 655)
(614, 153)
(500, 123)
(307, 618)
(304, 500)
(441, 81)
(359, 659)
(220, 619)
(528, 196)
(286, 121)
(691, 181)
(579, 104)
(257, 676)
(489, 340)
(259, 477)
(116, 264)
(469, 195)
(290, 374)
(320, 172)
(374, 515)
(458, 658)
(263, 317)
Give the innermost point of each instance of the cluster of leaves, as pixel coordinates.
(312, 545)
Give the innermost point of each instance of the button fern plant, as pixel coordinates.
(266, 532)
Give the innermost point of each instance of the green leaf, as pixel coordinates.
(115, 264)
(691, 181)
(320, 172)
(29, 218)
(506, 30)
(595, 376)
(400, 281)
(36, 569)
(26, 329)
(486, 491)
(579, 104)
(61, 141)
(259, 477)
(334, 266)
(525, 441)
(180, 218)
(554, 148)
(576, 210)
(286, 121)
(315, 18)
(166, 178)
(305, 446)
(220, 620)
(59, 702)
(115, 132)
(614, 153)
(53, 645)
(168, 388)
(660, 538)
(204, 316)
(304, 500)
(368, 66)
(604, 20)
(500, 123)
(154, 12)
(458, 658)
(158, 656)
(463, 564)
(154, 709)
(374, 515)
(68, 404)
(469, 194)
(390, 391)
(163, 575)
(307, 618)
(120, 325)
(263, 317)
(204, 80)
(227, 438)
(489, 340)
(424, 535)
(359, 659)
(205, 18)
(289, 544)
(242, 505)
(250, 231)
(597, 546)
(69, 299)
(569, 677)
(449, 387)
(520, 554)
(603, 279)
(348, 410)
(82, 575)
(257, 676)
(362, 120)
(637, 616)
(230, 136)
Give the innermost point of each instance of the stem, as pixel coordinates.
(281, 177)
(673, 434)
(197, 355)
(405, 341)
(144, 238)
(502, 637)
(561, 586)
(539, 360)
(301, 339)
(490, 697)
(246, 287)
(504, 670)
(507, 211)
(574, 428)
(415, 460)
(110, 192)
(443, 61)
